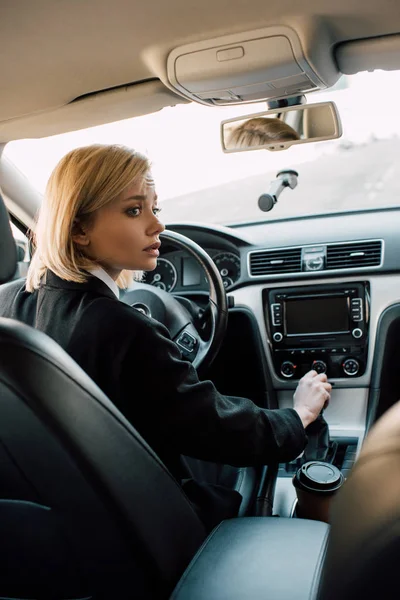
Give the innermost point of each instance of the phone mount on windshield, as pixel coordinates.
(285, 178)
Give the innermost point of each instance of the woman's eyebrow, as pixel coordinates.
(140, 198)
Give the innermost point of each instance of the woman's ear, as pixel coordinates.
(79, 234)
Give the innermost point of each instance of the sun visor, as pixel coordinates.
(249, 67)
(369, 54)
(94, 109)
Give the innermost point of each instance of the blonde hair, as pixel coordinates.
(260, 131)
(84, 181)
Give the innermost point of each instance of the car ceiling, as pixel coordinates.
(55, 52)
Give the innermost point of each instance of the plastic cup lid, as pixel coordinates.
(318, 476)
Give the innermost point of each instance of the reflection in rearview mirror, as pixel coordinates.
(281, 128)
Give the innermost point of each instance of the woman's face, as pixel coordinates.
(125, 233)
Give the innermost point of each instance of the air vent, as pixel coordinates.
(272, 262)
(354, 255)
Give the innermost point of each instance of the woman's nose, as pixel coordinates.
(156, 226)
(161, 227)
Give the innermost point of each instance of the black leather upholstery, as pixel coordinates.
(69, 448)
(364, 547)
(34, 555)
(259, 558)
(8, 250)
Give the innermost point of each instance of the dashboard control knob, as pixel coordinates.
(319, 366)
(288, 369)
(357, 333)
(277, 337)
(351, 366)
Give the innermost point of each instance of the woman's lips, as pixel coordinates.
(153, 250)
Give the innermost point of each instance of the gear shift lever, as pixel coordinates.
(318, 440)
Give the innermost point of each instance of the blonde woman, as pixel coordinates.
(100, 222)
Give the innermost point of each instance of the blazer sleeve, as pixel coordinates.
(194, 419)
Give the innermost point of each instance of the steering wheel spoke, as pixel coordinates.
(190, 343)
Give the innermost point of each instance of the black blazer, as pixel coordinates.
(133, 360)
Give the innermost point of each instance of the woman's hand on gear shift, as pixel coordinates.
(311, 396)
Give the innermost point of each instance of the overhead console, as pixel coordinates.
(249, 67)
(322, 327)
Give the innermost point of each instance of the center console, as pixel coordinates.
(257, 558)
(321, 327)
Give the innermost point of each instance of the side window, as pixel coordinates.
(21, 241)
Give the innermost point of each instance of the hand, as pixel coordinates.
(311, 396)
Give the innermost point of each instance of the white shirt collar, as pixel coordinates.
(106, 278)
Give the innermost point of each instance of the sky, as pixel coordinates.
(184, 146)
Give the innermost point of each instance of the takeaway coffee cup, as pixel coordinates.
(316, 482)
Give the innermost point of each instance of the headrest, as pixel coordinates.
(8, 251)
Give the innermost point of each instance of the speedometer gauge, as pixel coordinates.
(164, 275)
(228, 264)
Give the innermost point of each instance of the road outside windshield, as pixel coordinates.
(197, 182)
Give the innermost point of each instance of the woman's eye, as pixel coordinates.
(133, 212)
(157, 210)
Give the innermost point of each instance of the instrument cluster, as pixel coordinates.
(177, 271)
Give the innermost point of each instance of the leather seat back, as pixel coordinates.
(64, 445)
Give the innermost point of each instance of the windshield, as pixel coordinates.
(196, 181)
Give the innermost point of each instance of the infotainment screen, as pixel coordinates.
(316, 315)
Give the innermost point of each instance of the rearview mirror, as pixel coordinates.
(281, 128)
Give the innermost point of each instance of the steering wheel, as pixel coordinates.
(179, 320)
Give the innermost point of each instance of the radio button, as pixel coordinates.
(277, 337)
(276, 313)
(356, 316)
(288, 369)
(356, 302)
(357, 333)
(356, 309)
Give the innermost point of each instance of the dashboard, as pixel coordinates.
(330, 264)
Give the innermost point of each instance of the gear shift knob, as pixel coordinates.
(318, 440)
